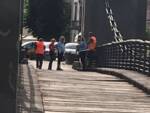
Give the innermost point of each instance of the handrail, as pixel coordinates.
(129, 54)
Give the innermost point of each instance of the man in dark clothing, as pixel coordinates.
(51, 53)
(61, 48)
(82, 51)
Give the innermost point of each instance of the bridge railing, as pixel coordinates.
(130, 54)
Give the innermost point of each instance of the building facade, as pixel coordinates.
(76, 18)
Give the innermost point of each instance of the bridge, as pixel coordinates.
(119, 82)
(71, 91)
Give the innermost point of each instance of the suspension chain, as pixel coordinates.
(117, 35)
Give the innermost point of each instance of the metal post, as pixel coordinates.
(83, 17)
(21, 19)
(20, 29)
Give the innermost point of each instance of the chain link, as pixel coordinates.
(117, 35)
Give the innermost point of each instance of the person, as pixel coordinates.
(92, 42)
(91, 48)
(39, 51)
(60, 48)
(82, 50)
(51, 53)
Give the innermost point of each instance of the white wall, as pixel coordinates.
(75, 16)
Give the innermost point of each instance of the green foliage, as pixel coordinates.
(67, 20)
(25, 11)
(48, 18)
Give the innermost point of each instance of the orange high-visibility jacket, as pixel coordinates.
(39, 48)
(92, 45)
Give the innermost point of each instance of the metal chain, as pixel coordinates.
(117, 35)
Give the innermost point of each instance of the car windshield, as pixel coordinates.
(28, 45)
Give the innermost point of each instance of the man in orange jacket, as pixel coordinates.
(92, 42)
(91, 48)
(39, 51)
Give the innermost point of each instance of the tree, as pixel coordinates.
(25, 11)
(47, 18)
(67, 20)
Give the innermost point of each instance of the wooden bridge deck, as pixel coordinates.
(89, 92)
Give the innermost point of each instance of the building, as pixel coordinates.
(76, 17)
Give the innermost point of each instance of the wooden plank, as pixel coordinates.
(89, 92)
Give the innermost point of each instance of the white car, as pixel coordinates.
(46, 53)
(30, 46)
(70, 52)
